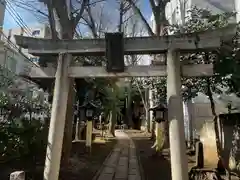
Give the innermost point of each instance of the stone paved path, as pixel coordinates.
(122, 164)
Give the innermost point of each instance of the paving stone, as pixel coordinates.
(105, 177)
(133, 163)
(133, 171)
(108, 170)
(125, 153)
(132, 160)
(117, 149)
(123, 161)
(121, 172)
(112, 161)
(121, 176)
(132, 152)
(134, 177)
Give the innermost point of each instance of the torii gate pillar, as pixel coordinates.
(175, 118)
(57, 123)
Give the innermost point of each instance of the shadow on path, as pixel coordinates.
(154, 167)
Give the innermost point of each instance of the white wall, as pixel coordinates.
(202, 113)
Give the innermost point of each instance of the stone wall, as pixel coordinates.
(230, 141)
(202, 114)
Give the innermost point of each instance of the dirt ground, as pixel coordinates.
(81, 165)
(153, 167)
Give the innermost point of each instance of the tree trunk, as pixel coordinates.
(30, 115)
(129, 105)
(112, 122)
(216, 119)
(147, 113)
(190, 122)
(160, 23)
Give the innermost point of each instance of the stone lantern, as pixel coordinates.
(89, 109)
(160, 116)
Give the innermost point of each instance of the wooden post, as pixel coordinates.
(101, 124)
(150, 113)
(199, 155)
(175, 117)
(57, 123)
(89, 136)
(158, 136)
(190, 121)
(17, 175)
(81, 124)
(147, 109)
(77, 130)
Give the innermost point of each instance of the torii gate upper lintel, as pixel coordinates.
(209, 39)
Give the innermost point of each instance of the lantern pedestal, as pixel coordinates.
(89, 136)
(77, 131)
(159, 113)
(158, 136)
(89, 114)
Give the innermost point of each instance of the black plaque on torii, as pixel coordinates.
(115, 52)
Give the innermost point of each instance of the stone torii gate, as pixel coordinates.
(173, 45)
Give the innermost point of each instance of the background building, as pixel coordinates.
(177, 9)
(2, 12)
(38, 31)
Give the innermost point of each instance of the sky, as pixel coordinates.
(29, 18)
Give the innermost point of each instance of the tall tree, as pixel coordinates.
(158, 29)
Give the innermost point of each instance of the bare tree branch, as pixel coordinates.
(51, 19)
(92, 23)
(153, 5)
(29, 7)
(79, 15)
(138, 11)
(121, 8)
(62, 12)
(93, 3)
(100, 21)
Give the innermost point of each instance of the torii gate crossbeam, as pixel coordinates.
(135, 45)
(130, 71)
